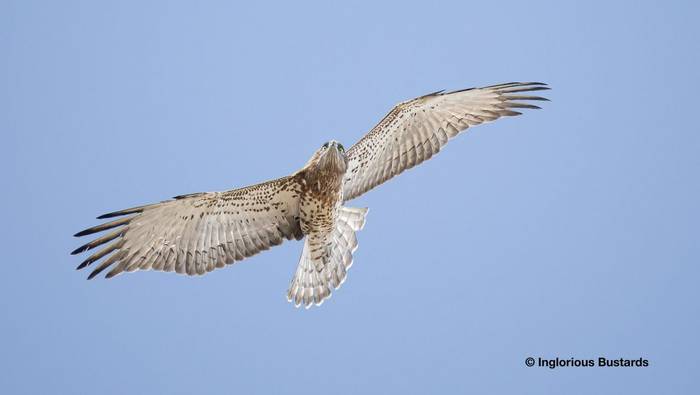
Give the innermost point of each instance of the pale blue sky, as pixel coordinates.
(567, 232)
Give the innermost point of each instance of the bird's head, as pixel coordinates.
(329, 158)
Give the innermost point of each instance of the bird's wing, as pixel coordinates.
(417, 129)
(196, 233)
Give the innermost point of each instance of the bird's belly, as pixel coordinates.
(319, 202)
(318, 216)
(317, 219)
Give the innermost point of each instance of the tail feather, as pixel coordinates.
(311, 286)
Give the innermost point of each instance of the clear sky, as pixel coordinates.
(568, 232)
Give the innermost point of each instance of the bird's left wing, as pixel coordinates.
(197, 233)
(417, 129)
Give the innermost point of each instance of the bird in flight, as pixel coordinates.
(196, 233)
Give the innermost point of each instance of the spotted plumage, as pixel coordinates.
(197, 233)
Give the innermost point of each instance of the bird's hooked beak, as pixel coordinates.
(336, 148)
(333, 146)
(333, 154)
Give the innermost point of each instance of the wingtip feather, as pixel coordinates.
(79, 250)
(82, 233)
(523, 105)
(105, 226)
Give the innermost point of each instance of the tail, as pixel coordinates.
(315, 279)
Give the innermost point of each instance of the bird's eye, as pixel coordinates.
(341, 148)
(325, 145)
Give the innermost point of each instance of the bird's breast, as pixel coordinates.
(319, 201)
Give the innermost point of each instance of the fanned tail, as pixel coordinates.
(314, 280)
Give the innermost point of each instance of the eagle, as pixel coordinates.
(197, 233)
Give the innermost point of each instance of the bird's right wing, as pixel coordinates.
(196, 233)
(417, 129)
